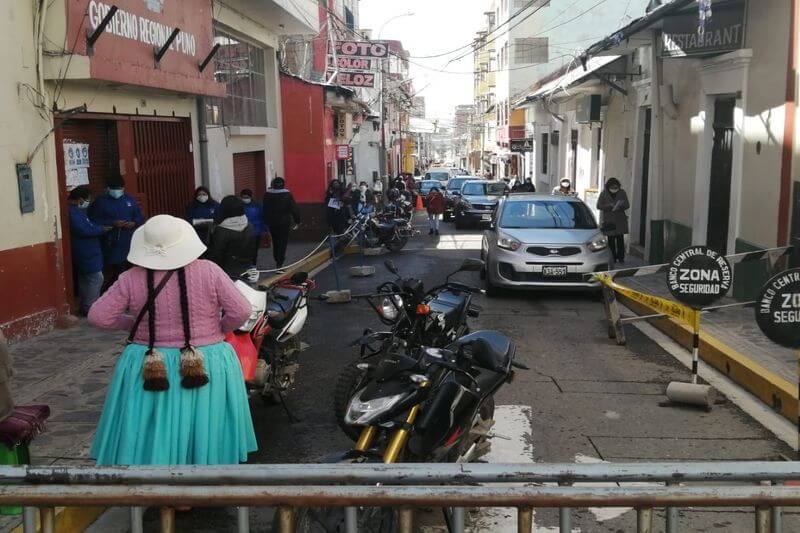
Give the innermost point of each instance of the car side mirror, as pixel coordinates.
(472, 265)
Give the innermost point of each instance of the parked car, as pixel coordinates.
(452, 192)
(543, 241)
(477, 202)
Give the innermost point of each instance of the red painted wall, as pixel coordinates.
(304, 123)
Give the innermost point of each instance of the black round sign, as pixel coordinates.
(778, 309)
(698, 276)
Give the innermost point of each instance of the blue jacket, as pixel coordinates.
(85, 236)
(104, 211)
(206, 211)
(255, 216)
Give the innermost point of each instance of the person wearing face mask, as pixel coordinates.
(564, 188)
(201, 211)
(87, 257)
(366, 200)
(121, 212)
(254, 213)
(612, 204)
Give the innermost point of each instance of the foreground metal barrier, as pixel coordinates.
(758, 485)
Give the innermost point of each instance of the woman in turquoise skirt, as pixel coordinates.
(177, 395)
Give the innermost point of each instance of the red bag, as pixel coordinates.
(245, 352)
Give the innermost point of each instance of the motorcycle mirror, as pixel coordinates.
(472, 265)
(390, 266)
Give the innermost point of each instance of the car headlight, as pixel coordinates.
(390, 310)
(598, 244)
(507, 242)
(362, 413)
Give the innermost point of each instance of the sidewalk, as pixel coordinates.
(740, 349)
(69, 370)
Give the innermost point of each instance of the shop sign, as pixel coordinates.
(778, 309)
(125, 51)
(522, 145)
(352, 79)
(699, 276)
(342, 152)
(357, 64)
(725, 31)
(377, 49)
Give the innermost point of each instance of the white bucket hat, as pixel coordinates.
(165, 243)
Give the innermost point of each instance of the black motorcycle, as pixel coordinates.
(383, 229)
(417, 318)
(435, 407)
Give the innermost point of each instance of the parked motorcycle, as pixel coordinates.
(435, 407)
(384, 229)
(269, 338)
(417, 318)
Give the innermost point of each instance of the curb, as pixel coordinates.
(70, 519)
(773, 390)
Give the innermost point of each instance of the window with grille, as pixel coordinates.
(531, 51)
(240, 66)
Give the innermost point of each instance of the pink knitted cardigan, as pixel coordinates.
(215, 306)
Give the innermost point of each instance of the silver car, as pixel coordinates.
(539, 241)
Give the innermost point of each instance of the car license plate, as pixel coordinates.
(554, 271)
(486, 217)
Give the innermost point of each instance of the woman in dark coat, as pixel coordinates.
(612, 204)
(233, 244)
(201, 211)
(335, 208)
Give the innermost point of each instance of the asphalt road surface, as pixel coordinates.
(585, 399)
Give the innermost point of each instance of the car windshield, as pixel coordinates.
(426, 186)
(547, 214)
(455, 184)
(441, 176)
(483, 189)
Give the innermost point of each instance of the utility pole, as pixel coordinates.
(384, 170)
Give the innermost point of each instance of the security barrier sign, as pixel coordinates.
(698, 276)
(778, 309)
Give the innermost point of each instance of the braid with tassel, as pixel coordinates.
(154, 371)
(193, 371)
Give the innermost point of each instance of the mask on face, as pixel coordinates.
(116, 193)
(613, 190)
(247, 200)
(202, 198)
(363, 188)
(84, 204)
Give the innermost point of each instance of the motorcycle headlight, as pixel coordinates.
(389, 309)
(598, 244)
(362, 413)
(507, 242)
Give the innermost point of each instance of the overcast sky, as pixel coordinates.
(436, 26)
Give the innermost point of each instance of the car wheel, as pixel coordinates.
(492, 291)
(459, 222)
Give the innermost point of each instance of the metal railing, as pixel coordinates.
(758, 485)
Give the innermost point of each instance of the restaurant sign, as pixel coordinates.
(725, 31)
(125, 51)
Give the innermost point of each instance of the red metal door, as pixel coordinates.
(101, 136)
(164, 164)
(249, 173)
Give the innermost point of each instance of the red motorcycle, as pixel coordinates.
(267, 344)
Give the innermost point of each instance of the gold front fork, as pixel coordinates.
(400, 438)
(365, 440)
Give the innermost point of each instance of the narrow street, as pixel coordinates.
(585, 399)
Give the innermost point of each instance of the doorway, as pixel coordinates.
(719, 198)
(249, 173)
(645, 182)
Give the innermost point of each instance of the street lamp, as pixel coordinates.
(380, 30)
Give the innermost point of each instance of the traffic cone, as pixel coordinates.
(420, 207)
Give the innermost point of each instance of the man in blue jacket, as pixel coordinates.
(121, 213)
(87, 257)
(254, 212)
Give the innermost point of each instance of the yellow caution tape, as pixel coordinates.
(685, 314)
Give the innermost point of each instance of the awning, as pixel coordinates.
(575, 75)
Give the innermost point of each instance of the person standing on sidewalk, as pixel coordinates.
(335, 208)
(281, 216)
(201, 212)
(177, 395)
(121, 213)
(233, 244)
(255, 215)
(612, 204)
(87, 257)
(435, 202)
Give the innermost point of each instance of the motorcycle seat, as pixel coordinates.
(282, 303)
(490, 349)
